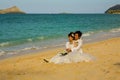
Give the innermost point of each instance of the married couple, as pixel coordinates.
(73, 51)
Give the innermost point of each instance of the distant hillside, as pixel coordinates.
(114, 10)
(11, 10)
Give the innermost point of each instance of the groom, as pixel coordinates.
(78, 40)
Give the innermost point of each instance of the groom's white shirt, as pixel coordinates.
(78, 48)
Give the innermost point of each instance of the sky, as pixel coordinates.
(60, 6)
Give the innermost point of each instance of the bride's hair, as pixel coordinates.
(71, 34)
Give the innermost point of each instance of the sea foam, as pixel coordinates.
(115, 30)
(4, 44)
(2, 52)
(87, 34)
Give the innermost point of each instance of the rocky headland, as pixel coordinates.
(12, 10)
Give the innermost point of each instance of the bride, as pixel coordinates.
(73, 52)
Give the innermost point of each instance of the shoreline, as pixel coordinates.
(62, 48)
(86, 40)
(32, 67)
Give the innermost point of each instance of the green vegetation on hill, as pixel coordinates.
(114, 10)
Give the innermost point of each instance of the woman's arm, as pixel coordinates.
(68, 49)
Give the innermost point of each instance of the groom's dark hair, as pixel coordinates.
(79, 33)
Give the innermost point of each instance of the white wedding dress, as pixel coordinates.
(75, 56)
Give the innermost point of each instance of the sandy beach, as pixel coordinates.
(32, 67)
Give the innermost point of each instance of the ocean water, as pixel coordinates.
(24, 32)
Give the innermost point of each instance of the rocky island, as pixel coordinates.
(12, 10)
(113, 10)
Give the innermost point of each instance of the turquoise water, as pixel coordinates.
(19, 32)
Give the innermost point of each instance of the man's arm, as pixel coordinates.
(78, 47)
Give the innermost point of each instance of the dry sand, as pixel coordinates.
(32, 66)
